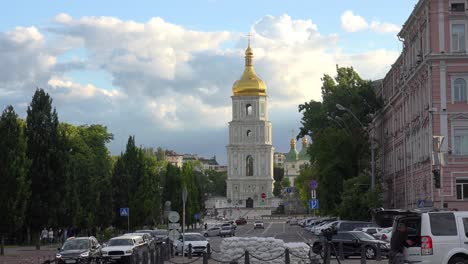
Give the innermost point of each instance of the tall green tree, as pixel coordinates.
(45, 152)
(278, 175)
(341, 144)
(14, 166)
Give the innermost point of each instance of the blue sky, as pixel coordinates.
(163, 70)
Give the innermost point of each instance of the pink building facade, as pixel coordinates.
(425, 95)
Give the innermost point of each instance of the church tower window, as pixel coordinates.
(248, 109)
(249, 166)
(249, 133)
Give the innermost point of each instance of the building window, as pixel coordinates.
(249, 133)
(460, 144)
(459, 90)
(457, 7)
(458, 37)
(462, 189)
(249, 166)
(248, 109)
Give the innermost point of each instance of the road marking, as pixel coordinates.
(303, 238)
(266, 229)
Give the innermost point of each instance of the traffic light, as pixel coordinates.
(436, 174)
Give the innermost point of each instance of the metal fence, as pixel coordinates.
(164, 253)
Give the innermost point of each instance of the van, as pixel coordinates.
(439, 237)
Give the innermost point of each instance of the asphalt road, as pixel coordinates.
(280, 230)
(276, 229)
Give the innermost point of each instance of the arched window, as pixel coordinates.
(248, 109)
(459, 90)
(249, 166)
(249, 133)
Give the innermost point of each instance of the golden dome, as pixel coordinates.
(293, 142)
(249, 84)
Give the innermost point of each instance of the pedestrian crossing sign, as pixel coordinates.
(124, 211)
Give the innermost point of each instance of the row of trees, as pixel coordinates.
(340, 153)
(59, 175)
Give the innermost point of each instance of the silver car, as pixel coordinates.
(214, 231)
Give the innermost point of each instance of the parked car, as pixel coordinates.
(78, 249)
(352, 243)
(384, 234)
(214, 231)
(233, 223)
(227, 231)
(161, 235)
(148, 238)
(122, 248)
(258, 224)
(438, 236)
(197, 241)
(293, 221)
(241, 221)
(368, 230)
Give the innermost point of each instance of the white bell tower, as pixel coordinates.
(250, 150)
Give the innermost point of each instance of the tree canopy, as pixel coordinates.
(338, 125)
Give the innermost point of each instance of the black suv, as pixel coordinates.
(352, 242)
(78, 249)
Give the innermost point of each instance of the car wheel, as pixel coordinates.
(458, 260)
(206, 235)
(370, 253)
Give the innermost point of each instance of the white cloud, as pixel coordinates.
(169, 82)
(355, 23)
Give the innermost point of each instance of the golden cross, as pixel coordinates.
(248, 36)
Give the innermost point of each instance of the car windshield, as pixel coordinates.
(144, 231)
(161, 232)
(120, 242)
(226, 228)
(76, 244)
(386, 230)
(258, 222)
(194, 238)
(364, 236)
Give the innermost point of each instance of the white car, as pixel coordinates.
(319, 229)
(384, 234)
(123, 247)
(440, 237)
(258, 224)
(197, 240)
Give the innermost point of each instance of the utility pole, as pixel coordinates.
(184, 201)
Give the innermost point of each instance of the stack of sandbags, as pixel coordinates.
(261, 250)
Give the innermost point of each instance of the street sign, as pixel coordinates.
(421, 203)
(174, 226)
(289, 190)
(174, 235)
(184, 195)
(263, 196)
(313, 184)
(173, 217)
(313, 204)
(195, 216)
(124, 211)
(313, 194)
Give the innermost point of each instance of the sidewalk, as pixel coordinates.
(28, 255)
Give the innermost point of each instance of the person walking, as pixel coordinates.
(51, 235)
(397, 244)
(44, 235)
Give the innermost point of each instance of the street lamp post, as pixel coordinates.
(342, 108)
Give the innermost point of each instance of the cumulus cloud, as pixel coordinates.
(354, 23)
(168, 80)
